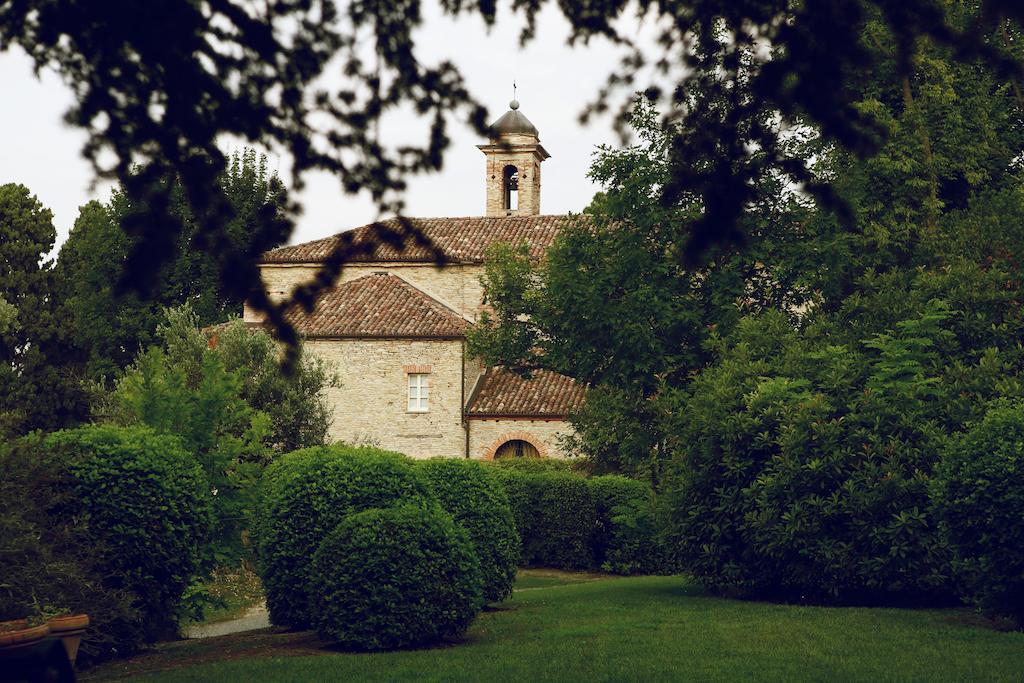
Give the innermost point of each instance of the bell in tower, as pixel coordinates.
(514, 155)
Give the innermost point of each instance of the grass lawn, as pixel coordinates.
(579, 628)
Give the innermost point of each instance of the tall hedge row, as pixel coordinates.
(568, 521)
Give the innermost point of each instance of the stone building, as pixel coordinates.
(394, 325)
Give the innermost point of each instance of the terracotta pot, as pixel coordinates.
(69, 629)
(13, 625)
(22, 636)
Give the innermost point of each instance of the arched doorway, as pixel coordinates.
(516, 448)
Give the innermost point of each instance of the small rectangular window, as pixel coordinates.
(419, 392)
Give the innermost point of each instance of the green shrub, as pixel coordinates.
(803, 467)
(394, 578)
(555, 517)
(979, 496)
(306, 494)
(519, 502)
(478, 503)
(144, 504)
(45, 563)
(532, 465)
(628, 531)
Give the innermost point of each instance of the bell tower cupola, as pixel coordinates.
(514, 155)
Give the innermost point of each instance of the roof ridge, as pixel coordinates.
(379, 307)
(427, 294)
(462, 238)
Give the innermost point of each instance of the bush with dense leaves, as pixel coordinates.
(478, 503)
(144, 505)
(394, 578)
(533, 465)
(46, 564)
(304, 495)
(629, 527)
(979, 497)
(555, 517)
(804, 467)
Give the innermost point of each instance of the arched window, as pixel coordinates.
(511, 185)
(517, 448)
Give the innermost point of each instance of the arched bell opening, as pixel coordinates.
(510, 183)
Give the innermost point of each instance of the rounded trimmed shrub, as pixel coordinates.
(394, 578)
(306, 494)
(978, 494)
(144, 503)
(479, 504)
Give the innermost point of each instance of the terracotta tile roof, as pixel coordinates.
(462, 240)
(506, 394)
(379, 305)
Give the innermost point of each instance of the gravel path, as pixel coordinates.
(253, 619)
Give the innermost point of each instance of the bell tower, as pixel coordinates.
(514, 155)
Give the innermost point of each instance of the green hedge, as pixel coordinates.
(628, 531)
(555, 516)
(532, 465)
(978, 494)
(144, 504)
(394, 578)
(305, 495)
(478, 503)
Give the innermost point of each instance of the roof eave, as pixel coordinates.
(517, 416)
(382, 337)
(391, 262)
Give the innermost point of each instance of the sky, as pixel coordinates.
(554, 83)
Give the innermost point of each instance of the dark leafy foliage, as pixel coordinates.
(111, 325)
(468, 492)
(145, 505)
(157, 86)
(532, 464)
(804, 466)
(34, 342)
(613, 306)
(306, 494)
(555, 516)
(46, 560)
(231, 404)
(393, 578)
(630, 527)
(979, 497)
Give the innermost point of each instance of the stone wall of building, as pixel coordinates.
(487, 434)
(371, 405)
(456, 285)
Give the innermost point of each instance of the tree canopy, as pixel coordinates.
(112, 325)
(937, 210)
(36, 389)
(158, 84)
